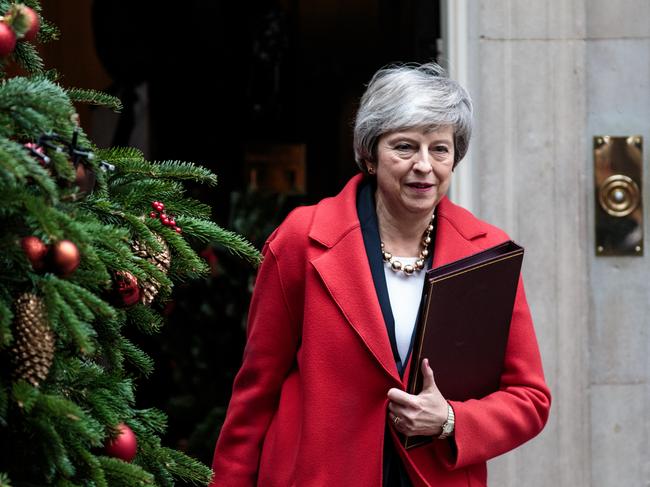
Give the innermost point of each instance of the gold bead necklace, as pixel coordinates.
(409, 269)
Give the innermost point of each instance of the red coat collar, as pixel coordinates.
(335, 217)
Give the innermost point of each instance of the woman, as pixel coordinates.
(320, 395)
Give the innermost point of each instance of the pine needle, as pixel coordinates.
(92, 97)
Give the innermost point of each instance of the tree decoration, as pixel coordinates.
(165, 219)
(161, 259)
(126, 291)
(35, 251)
(39, 153)
(64, 257)
(80, 157)
(124, 446)
(7, 39)
(33, 350)
(32, 24)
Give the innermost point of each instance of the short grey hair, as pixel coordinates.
(407, 96)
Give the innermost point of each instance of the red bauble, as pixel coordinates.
(64, 257)
(124, 446)
(33, 24)
(7, 40)
(126, 289)
(35, 250)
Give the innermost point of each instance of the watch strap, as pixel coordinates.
(448, 426)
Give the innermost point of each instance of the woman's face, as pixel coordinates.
(413, 170)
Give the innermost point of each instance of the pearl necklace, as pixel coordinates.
(409, 269)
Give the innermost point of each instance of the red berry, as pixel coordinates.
(161, 207)
(33, 24)
(153, 214)
(172, 222)
(7, 40)
(178, 229)
(155, 204)
(164, 219)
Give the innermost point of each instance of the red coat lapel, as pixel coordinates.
(456, 229)
(345, 272)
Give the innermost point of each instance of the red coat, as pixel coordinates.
(309, 404)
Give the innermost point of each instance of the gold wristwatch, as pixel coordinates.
(448, 426)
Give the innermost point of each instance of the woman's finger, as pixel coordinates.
(401, 397)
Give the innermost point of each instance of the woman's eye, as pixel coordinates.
(441, 148)
(403, 147)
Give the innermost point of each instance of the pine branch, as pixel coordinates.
(48, 31)
(106, 407)
(176, 170)
(4, 480)
(69, 417)
(20, 166)
(122, 474)
(136, 194)
(94, 466)
(152, 419)
(36, 106)
(108, 336)
(28, 57)
(185, 264)
(144, 319)
(88, 304)
(92, 97)
(66, 324)
(207, 231)
(55, 451)
(138, 358)
(186, 468)
(120, 153)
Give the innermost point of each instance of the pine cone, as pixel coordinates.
(33, 350)
(161, 260)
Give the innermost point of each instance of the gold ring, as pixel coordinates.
(396, 420)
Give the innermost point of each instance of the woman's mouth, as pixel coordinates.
(420, 187)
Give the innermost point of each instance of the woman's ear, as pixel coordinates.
(370, 168)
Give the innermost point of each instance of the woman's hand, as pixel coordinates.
(423, 414)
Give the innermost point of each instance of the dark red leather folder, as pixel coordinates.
(463, 324)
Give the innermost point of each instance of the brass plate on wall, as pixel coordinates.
(618, 173)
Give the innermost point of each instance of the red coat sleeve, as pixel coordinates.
(272, 341)
(503, 420)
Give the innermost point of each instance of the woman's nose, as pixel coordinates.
(423, 160)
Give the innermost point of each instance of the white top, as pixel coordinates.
(404, 293)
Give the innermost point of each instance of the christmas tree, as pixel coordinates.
(92, 242)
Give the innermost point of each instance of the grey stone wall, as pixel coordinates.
(547, 76)
(618, 103)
